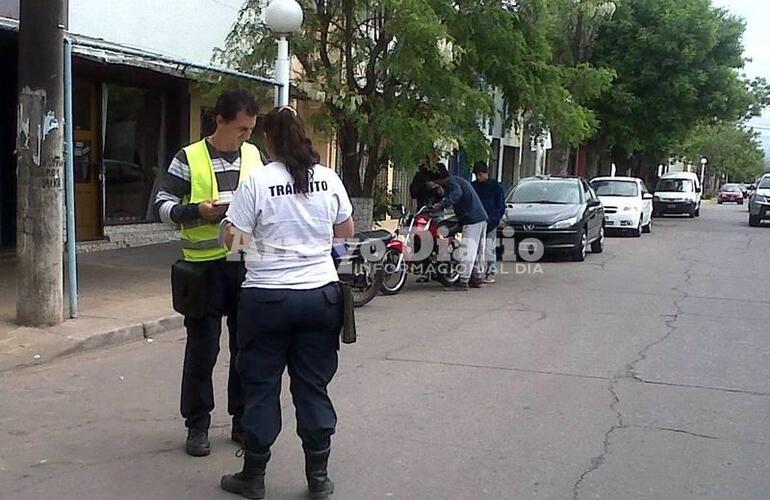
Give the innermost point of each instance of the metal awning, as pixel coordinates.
(105, 52)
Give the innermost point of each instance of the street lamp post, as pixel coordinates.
(703, 162)
(283, 17)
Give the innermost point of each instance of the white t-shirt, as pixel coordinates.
(291, 233)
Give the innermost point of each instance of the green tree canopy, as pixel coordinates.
(398, 77)
(677, 64)
(730, 148)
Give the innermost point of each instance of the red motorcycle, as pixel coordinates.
(423, 245)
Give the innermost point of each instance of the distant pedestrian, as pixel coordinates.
(459, 193)
(492, 196)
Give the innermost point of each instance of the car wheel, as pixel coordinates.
(740, 202)
(598, 245)
(697, 211)
(638, 231)
(579, 253)
(719, 202)
(691, 214)
(753, 220)
(648, 228)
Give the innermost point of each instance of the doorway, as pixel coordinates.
(88, 223)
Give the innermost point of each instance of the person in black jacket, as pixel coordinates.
(426, 192)
(423, 187)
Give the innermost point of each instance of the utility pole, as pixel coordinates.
(40, 147)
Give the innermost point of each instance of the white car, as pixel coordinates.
(678, 193)
(627, 203)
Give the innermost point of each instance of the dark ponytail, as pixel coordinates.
(290, 145)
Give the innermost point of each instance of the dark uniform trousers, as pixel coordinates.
(298, 329)
(222, 284)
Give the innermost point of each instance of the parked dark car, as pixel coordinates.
(562, 213)
(730, 193)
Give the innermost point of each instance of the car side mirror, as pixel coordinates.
(698, 190)
(594, 203)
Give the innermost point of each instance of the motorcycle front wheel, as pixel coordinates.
(394, 273)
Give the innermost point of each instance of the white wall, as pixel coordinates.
(187, 29)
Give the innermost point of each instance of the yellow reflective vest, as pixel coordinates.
(201, 240)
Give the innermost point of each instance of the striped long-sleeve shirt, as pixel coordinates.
(176, 185)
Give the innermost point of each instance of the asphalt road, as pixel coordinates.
(641, 373)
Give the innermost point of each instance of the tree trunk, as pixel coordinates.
(351, 158)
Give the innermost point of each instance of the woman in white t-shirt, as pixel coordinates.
(285, 215)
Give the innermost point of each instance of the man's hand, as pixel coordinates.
(210, 212)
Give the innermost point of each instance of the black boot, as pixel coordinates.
(250, 482)
(318, 481)
(198, 444)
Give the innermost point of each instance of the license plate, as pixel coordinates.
(671, 205)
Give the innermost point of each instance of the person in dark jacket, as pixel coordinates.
(423, 188)
(471, 215)
(425, 191)
(492, 197)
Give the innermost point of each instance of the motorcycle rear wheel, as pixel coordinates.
(363, 294)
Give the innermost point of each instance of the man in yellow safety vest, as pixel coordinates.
(195, 194)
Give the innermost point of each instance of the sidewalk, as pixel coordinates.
(124, 296)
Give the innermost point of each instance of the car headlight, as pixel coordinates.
(563, 224)
(760, 199)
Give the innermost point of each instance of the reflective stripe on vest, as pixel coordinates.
(201, 240)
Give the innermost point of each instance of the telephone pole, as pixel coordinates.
(40, 147)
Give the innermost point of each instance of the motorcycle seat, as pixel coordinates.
(377, 234)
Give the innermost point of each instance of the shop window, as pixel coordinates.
(133, 151)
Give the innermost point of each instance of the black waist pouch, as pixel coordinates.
(349, 315)
(190, 284)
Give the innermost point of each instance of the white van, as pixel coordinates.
(678, 193)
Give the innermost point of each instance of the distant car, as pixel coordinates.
(730, 193)
(677, 193)
(759, 205)
(561, 213)
(627, 204)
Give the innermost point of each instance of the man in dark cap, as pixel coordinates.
(492, 197)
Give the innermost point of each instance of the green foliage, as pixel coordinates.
(676, 64)
(730, 149)
(401, 78)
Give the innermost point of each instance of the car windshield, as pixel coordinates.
(675, 185)
(764, 183)
(615, 188)
(731, 188)
(560, 192)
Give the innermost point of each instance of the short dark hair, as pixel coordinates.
(231, 102)
(441, 171)
(480, 167)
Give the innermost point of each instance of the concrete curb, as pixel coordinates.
(36, 346)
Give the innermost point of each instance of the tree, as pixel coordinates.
(731, 149)
(573, 28)
(677, 64)
(398, 77)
